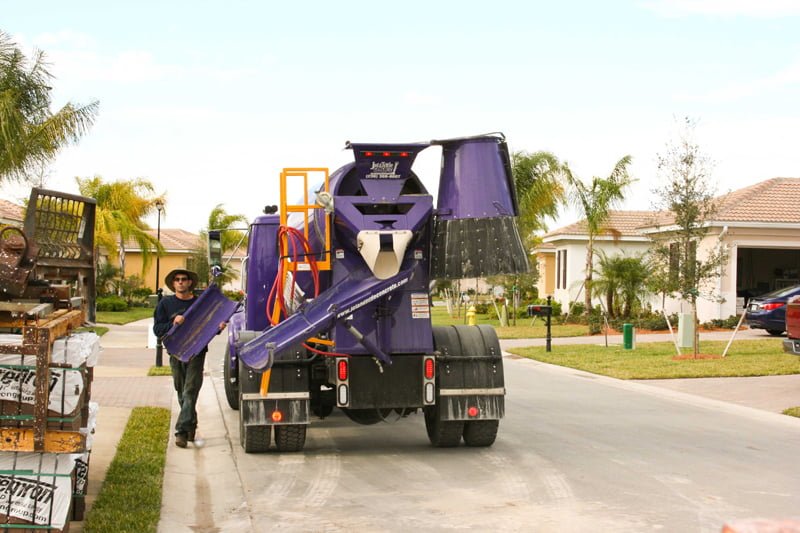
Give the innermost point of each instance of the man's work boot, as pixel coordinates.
(180, 440)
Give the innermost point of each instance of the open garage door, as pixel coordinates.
(760, 270)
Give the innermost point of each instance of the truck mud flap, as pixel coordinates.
(468, 357)
(276, 409)
(461, 405)
(469, 373)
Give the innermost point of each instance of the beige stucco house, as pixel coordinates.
(759, 226)
(179, 246)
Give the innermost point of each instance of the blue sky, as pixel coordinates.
(209, 100)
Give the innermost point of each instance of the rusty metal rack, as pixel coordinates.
(38, 335)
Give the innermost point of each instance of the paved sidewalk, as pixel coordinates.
(120, 384)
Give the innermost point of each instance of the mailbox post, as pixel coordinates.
(545, 311)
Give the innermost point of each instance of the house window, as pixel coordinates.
(558, 269)
(561, 269)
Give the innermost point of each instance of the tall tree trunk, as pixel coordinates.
(587, 284)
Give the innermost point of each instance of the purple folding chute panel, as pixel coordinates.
(201, 324)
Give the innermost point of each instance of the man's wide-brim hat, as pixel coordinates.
(170, 279)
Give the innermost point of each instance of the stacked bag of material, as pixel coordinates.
(36, 490)
(71, 362)
(46, 490)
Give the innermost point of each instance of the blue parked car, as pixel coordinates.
(768, 311)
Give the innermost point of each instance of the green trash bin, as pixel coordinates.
(628, 337)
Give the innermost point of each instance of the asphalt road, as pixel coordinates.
(576, 452)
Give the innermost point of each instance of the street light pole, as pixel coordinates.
(159, 290)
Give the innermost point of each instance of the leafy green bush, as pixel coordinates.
(577, 308)
(141, 293)
(482, 309)
(111, 303)
(725, 323)
(236, 296)
(596, 323)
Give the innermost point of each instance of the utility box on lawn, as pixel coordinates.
(685, 330)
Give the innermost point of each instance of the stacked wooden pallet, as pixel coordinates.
(46, 418)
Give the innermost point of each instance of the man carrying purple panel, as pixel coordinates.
(187, 376)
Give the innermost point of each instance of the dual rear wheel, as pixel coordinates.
(466, 349)
(448, 433)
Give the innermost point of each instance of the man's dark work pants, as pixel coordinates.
(188, 378)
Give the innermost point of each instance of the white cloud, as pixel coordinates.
(747, 8)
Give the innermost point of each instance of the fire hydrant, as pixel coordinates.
(472, 316)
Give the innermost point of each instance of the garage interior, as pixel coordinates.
(761, 270)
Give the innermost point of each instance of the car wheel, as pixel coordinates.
(775, 332)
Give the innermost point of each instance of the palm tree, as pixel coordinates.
(634, 273)
(623, 282)
(606, 281)
(595, 201)
(121, 207)
(31, 134)
(538, 178)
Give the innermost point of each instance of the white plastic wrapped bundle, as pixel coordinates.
(36, 488)
(77, 349)
(11, 339)
(17, 377)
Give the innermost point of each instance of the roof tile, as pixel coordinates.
(11, 211)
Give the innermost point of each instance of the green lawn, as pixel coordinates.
(655, 360)
(523, 329)
(99, 330)
(123, 317)
(130, 498)
(165, 370)
(792, 411)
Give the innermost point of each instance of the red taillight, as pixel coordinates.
(429, 368)
(368, 154)
(277, 416)
(770, 307)
(387, 154)
(403, 154)
(342, 370)
(472, 411)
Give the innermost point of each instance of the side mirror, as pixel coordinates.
(215, 249)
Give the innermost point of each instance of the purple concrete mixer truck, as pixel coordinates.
(337, 306)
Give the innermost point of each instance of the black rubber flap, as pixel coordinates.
(477, 247)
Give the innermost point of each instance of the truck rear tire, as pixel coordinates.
(231, 388)
(480, 432)
(291, 437)
(254, 439)
(442, 433)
